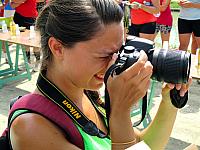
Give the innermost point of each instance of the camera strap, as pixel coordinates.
(176, 99)
(53, 93)
(111, 72)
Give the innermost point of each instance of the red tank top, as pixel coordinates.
(139, 16)
(27, 9)
(165, 17)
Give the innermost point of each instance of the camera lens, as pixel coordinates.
(171, 66)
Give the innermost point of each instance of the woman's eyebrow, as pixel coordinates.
(111, 52)
(114, 50)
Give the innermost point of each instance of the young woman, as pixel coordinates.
(164, 21)
(25, 15)
(79, 40)
(143, 19)
(189, 23)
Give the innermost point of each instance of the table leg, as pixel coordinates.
(0, 51)
(17, 59)
(9, 70)
(8, 55)
(13, 74)
(26, 62)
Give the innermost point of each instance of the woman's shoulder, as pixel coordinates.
(33, 130)
(32, 124)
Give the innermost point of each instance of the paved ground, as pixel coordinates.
(186, 129)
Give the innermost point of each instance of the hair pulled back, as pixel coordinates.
(72, 21)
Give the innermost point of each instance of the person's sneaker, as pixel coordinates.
(6, 57)
(6, 60)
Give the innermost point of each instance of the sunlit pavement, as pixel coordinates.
(187, 125)
(186, 129)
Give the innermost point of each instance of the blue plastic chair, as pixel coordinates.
(138, 110)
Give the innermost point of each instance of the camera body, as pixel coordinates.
(171, 66)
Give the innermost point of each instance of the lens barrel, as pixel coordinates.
(171, 66)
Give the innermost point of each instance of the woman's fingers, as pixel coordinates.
(132, 83)
(136, 67)
(185, 87)
(112, 61)
(182, 87)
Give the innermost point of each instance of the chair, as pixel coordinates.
(138, 110)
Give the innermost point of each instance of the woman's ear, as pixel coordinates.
(56, 47)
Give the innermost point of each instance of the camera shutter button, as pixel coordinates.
(129, 49)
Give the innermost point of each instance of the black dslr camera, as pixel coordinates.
(171, 66)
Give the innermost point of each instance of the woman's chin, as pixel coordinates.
(96, 86)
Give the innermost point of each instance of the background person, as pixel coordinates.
(164, 21)
(188, 23)
(87, 39)
(143, 20)
(25, 15)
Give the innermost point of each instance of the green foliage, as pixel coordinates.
(174, 5)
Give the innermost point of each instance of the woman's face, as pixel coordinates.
(85, 64)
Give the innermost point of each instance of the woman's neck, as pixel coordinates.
(74, 93)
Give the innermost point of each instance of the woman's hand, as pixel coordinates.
(182, 87)
(186, 4)
(128, 87)
(136, 5)
(119, 1)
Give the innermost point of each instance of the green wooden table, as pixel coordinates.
(12, 72)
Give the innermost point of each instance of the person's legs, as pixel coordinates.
(185, 31)
(28, 54)
(184, 40)
(165, 34)
(147, 36)
(4, 52)
(194, 45)
(165, 38)
(36, 52)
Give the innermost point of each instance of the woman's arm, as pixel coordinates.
(16, 3)
(150, 9)
(188, 4)
(157, 134)
(164, 5)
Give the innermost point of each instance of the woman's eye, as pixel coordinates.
(106, 57)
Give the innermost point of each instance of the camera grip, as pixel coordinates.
(177, 100)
